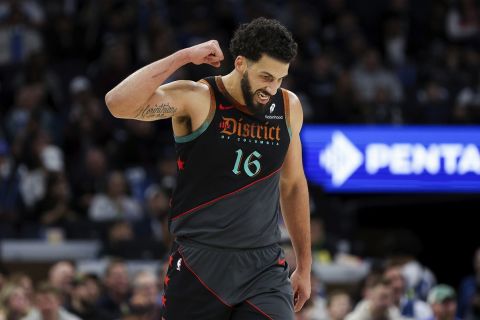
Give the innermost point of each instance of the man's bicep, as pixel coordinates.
(168, 100)
(292, 170)
(293, 166)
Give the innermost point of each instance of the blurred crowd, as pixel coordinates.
(69, 170)
(395, 288)
(67, 294)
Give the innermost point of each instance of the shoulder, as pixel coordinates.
(33, 314)
(295, 109)
(422, 309)
(187, 86)
(468, 280)
(65, 315)
(193, 97)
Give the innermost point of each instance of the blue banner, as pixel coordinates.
(393, 159)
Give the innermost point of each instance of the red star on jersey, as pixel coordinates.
(164, 300)
(180, 164)
(167, 280)
(170, 261)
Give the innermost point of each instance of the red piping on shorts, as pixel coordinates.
(201, 281)
(259, 310)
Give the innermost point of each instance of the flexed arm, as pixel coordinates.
(141, 95)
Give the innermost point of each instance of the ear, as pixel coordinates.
(241, 64)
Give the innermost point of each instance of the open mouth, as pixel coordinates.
(262, 97)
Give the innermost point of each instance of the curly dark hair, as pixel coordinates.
(263, 35)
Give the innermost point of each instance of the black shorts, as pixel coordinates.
(218, 284)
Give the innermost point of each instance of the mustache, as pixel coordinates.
(264, 93)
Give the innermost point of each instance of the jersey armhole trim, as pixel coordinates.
(211, 113)
(286, 106)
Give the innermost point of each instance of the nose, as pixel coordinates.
(272, 89)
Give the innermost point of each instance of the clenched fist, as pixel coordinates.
(206, 52)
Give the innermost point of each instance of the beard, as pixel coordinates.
(257, 109)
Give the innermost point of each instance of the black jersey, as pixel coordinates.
(227, 194)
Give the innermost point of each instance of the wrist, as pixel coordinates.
(304, 260)
(303, 268)
(181, 58)
(304, 264)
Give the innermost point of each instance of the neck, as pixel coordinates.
(117, 296)
(50, 315)
(378, 314)
(231, 82)
(397, 301)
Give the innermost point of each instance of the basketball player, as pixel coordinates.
(238, 156)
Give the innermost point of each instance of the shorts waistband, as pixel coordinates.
(186, 242)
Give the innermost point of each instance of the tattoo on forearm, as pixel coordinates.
(149, 112)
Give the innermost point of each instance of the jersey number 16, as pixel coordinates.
(250, 163)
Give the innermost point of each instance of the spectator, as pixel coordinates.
(89, 177)
(467, 106)
(11, 205)
(442, 299)
(345, 105)
(87, 126)
(378, 304)
(322, 86)
(433, 104)
(370, 75)
(60, 277)
(48, 305)
(463, 22)
(155, 224)
(469, 292)
(383, 109)
(85, 293)
(40, 158)
(119, 233)
(145, 298)
(14, 302)
(3, 276)
(115, 203)
(339, 305)
(24, 281)
(307, 312)
(17, 38)
(55, 208)
(402, 248)
(408, 305)
(116, 295)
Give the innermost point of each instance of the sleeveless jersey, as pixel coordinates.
(227, 192)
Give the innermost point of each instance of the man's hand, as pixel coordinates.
(301, 288)
(207, 52)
